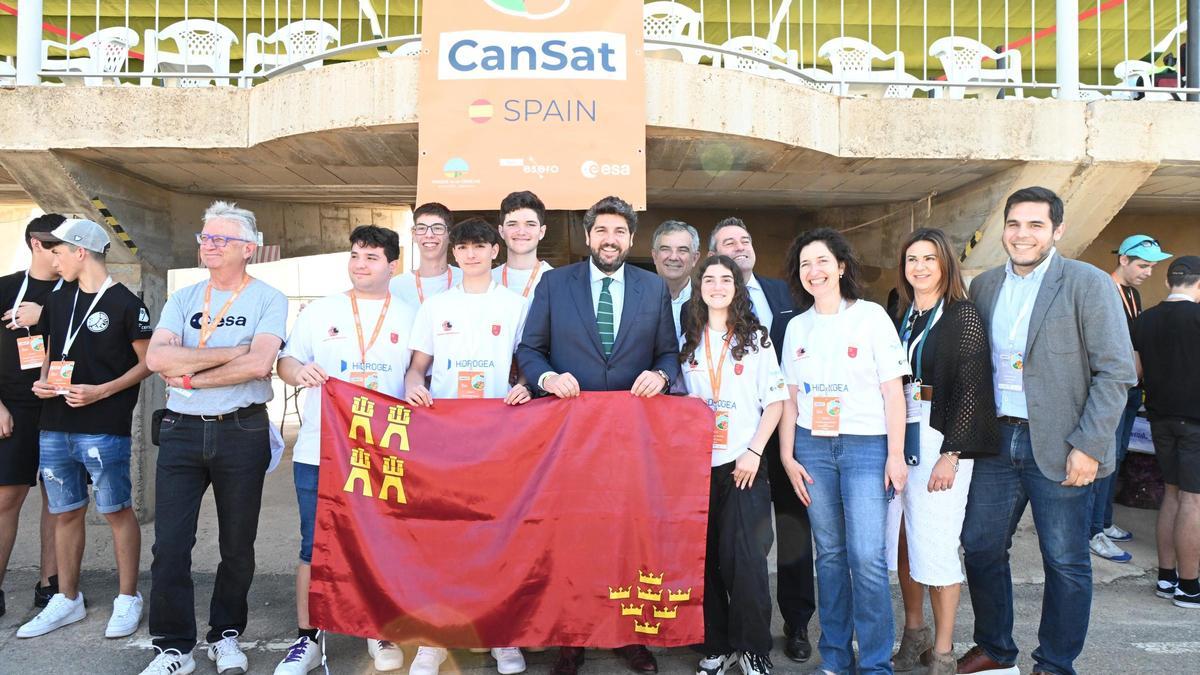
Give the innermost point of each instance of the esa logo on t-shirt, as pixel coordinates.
(225, 321)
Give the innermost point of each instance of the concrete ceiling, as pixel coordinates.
(1173, 186)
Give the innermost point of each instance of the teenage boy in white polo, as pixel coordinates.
(430, 236)
(468, 336)
(360, 336)
(97, 333)
(522, 226)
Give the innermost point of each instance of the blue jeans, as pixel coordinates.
(849, 524)
(1104, 490)
(1000, 488)
(305, 476)
(66, 461)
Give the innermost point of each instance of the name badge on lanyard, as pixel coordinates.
(471, 383)
(1010, 372)
(32, 351)
(721, 417)
(826, 415)
(915, 345)
(59, 376)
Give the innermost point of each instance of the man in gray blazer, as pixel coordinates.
(1062, 364)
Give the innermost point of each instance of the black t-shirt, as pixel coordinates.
(908, 336)
(102, 352)
(1165, 337)
(16, 385)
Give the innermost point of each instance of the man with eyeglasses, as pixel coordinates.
(215, 346)
(434, 275)
(522, 227)
(1136, 258)
(676, 250)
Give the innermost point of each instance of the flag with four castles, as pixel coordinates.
(575, 522)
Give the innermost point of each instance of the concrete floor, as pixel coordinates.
(1131, 630)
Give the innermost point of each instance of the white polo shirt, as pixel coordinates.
(471, 337)
(519, 279)
(747, 387)
(324, 332)
(405, 286)
(847, 355)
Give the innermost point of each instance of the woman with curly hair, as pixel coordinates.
(729, 363)
(844, 425)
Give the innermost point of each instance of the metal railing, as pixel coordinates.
(1068, 48)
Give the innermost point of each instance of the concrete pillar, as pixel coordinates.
(1066, 61)
(29, 41)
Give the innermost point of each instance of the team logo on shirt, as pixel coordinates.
(143, 315)
(333, 331)
(447, 328)
(98, 322)
(801, 353)
(495, 329)
(852, 352)
(225, 321)
(737, 369)
(395, 338)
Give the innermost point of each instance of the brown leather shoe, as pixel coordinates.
(638, 658)
(570, 660)
(977, 661)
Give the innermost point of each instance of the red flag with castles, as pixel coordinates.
(577, 522)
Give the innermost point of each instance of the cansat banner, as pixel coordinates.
(575, 522)
(544, 95)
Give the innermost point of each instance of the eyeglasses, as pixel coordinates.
(438, 229)
(217, 240)
(1144, 242)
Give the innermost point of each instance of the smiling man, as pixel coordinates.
(431, 238)
(1062, 365)
(675, 252)
(522, 227)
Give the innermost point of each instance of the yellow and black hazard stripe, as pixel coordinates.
(975, 239)
(111, 221)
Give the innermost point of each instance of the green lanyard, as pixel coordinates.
(924, 333)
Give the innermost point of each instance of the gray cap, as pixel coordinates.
(81, 233)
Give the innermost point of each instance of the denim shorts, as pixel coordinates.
(305, 476)
(67, 460)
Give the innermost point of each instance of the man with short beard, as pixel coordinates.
(565, 349)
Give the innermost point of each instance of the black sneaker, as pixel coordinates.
(42, 594)
(1165, 589)
(716, 664)
(755, 664)
(1186, 600)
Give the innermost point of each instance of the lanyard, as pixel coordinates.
(421, 293)
(363, 349)
(21, 296)
(714, 377)
(1025, 311)
(537, 268)
(207, 327)
(933, 317)
(1131, 309)
(71, 335)
(838, 361)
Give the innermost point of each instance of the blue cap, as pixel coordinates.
(1142, 246)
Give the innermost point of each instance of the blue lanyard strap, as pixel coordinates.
(906, 337)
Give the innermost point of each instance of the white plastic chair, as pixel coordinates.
(851, 58)
(408, 49)
(108, 52)
(672, 21)
(299, 40)
(203, 46)
(8, 74)
(1134, 73)
(761, 48)
(962, 60)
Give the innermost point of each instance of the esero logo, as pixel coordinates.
(500, 55)
(530, 9)
(593, 169)
(455, 167)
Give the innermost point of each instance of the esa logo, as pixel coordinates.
(592, 169)
(225, 321)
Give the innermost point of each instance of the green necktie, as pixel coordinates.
(604, 317)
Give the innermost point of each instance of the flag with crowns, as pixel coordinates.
(576, 522)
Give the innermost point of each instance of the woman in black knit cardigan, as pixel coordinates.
(952, 420)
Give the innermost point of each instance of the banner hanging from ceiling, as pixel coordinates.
(542, 95)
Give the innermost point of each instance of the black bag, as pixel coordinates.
(156, 419)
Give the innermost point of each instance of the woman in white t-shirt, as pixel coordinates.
(729, 363)
(844, 424)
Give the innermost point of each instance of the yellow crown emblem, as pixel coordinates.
(649, 595)
(639, 627)
(679, 596)
(665, 612)
(631, 609)
(649, 578)
(619, 593)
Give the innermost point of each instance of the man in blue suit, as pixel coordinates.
(601, 325)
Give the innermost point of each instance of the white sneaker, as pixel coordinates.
(170, 662)
(755, 664)
(1102, 546)
(716, 664)
(227, 654)
(1117, 533)
(302, 656)
(126, 615)
(59, 612)
(427, 661)
(386, 654)
(509, 660)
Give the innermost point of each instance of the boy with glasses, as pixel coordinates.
(431, 236)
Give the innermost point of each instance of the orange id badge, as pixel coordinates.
(32, 351)
(720, 429)
(470, 384)
(826, 415)
(59, 376)
(365, 379)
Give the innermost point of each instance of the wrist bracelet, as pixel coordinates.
(752, 450)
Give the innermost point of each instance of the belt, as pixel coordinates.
(225, 417)
(1009, 419)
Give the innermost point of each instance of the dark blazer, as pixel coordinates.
(561, 333)
(779, 298)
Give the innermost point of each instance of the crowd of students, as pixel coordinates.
(878, 440)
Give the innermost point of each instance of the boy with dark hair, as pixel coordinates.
(522, 226)
(22, 350)
(467, 336)
(430, 233)
(359, 336)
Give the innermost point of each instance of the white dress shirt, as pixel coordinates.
(616, 289)
(677, 306)
(762, 308)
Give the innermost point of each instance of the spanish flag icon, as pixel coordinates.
(480, 110)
